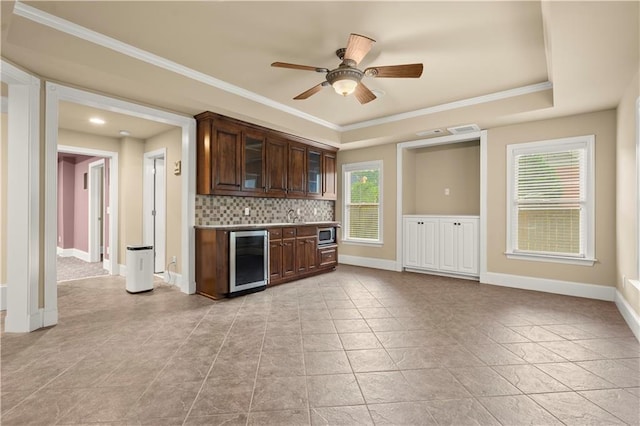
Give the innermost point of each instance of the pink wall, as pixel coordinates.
(81, 207)
(66, 195)
(73, 203)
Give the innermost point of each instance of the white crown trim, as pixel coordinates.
(52, 21)
(81, 32)
(491, 97)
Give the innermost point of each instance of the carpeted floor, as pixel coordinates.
(72, 268)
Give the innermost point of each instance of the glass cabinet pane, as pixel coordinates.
(313, 168)
(253, 155)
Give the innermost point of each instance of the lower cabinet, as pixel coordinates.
(328, 256)
(212, 263)
(293, 254)
(446, 244)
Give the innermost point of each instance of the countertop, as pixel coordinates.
(269, 225)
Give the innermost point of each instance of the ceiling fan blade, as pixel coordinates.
(312, 91)
(363, 94)
(298, 67)
(357, 47)
(395, 71)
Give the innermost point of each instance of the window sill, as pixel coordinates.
(362, 243)
(551, 259)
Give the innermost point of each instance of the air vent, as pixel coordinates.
(430, 132)
(467, 128)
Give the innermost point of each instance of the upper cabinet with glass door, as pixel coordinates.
(314, 173)
(243, 159)
(253, 151)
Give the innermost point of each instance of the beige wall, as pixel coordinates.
(4, 141)
(454, 166)
(172, 141)
(603, 126)
(386, 153)
(627, 232)
(130, 208)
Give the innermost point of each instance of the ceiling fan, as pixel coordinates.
(346, 79)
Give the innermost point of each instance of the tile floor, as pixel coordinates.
(356, 346)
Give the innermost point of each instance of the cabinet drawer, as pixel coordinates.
(328, 256)
(288, 232)
(307, 231)
(275, 233)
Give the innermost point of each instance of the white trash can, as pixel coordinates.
(139, 269)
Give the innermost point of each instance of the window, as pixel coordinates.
(550, 200)
(362, 215)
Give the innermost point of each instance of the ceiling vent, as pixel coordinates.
(466, 128)
(430, 132)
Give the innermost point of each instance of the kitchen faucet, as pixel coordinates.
(290, 217)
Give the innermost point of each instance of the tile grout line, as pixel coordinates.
(212, 364)
(255, 377)
(155, 378)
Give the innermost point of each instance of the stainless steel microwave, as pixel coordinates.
(326, 235)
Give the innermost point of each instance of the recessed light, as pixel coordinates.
(125, 133)
(96, 120)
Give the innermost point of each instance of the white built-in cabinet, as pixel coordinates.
(443, 244)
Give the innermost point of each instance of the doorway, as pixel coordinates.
(97, 205)
(154, 206)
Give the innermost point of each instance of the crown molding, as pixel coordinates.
(491, 97)
(59, 24)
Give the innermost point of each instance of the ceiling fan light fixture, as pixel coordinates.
(344, 79)
(344, 87)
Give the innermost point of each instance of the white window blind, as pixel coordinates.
(362, 202)
(551, 199)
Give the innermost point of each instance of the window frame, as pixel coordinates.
(587, 143)
(346, 193)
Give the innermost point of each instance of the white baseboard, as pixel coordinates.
(443, 274)
(629, 315)
(176, 279)
(3, 297)
(568, 288)
(73, 252)
(368, 262)
(49, 317)
(122, 270)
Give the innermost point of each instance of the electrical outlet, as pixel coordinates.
(174, 259)
(59, 238)
(298, 212)
(315, 212)
(446, 191)
(247, 211)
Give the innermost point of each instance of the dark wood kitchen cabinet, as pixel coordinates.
(329, 176)
(294, 253)
(219, 154)
(328, 256)
(276, 167)
(212, 263)
(253, 162)
(306, 249)
(275, 254)
(243, 159)
(297, 170)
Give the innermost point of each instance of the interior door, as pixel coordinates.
(159, 207)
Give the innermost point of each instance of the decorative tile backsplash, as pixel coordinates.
(227, 210)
